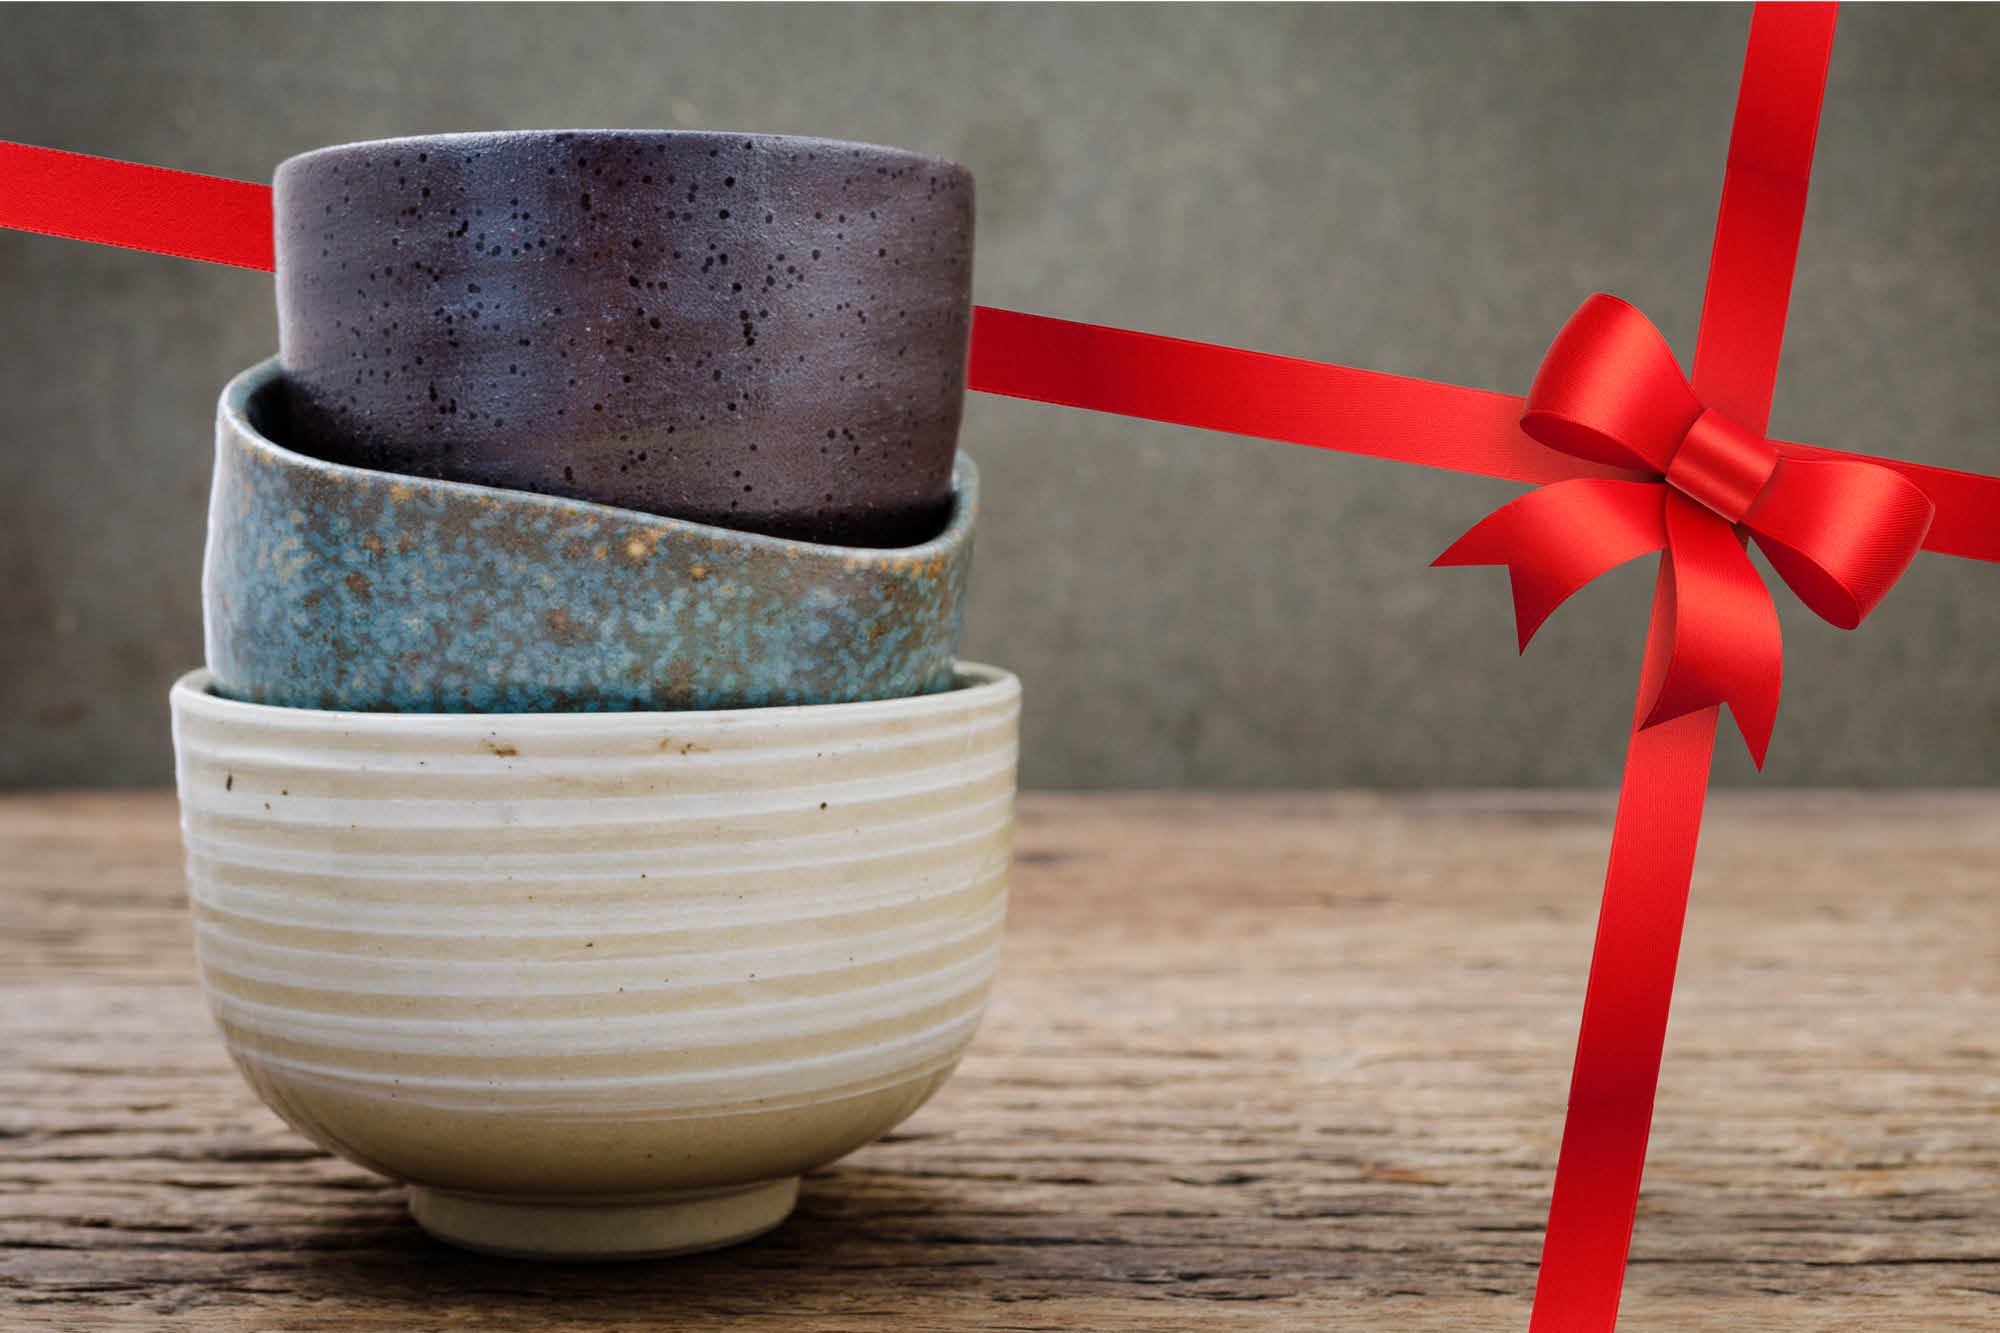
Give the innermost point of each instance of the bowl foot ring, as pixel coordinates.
(682, 1222)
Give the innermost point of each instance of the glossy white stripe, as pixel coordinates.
(663, 817)
(492, 760)
(802, 903)
(702, 1038)
(417, 975)
(836, 852)
(312, 869)
(937, 788)
(768, 1087)
(714, 1031)
(504, 829)
(818, 1071)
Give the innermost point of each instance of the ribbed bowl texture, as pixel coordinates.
(593, 960)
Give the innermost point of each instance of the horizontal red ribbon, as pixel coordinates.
(1356, 411)
(1017, 355)
(141, 208)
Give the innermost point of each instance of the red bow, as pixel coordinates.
(1839, 533)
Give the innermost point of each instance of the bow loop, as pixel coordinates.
(1609, 390)
(1840, 534)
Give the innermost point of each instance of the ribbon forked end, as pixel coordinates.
(1754, 722)
(1559, 537)
(1723, 645)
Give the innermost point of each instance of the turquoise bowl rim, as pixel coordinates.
(970, 683)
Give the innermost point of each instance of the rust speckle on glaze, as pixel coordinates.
(328, 586)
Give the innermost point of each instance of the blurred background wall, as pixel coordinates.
(1423, 190)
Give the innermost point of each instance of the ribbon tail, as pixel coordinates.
(1557, 538)
(1722, 643)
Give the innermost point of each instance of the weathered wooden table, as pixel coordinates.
(1270, 1061)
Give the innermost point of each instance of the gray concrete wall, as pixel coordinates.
(1425, 190)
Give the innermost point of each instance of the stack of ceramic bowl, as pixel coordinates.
(587, 820)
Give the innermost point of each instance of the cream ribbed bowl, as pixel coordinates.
(598, 985)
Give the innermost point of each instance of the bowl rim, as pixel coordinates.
(974, 685)
(471, 138)
(233, 414)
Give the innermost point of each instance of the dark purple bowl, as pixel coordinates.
(760, 332)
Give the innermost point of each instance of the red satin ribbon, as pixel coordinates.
(1629, 458)
(138, 207)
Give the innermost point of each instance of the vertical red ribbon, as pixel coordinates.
(1660, 802)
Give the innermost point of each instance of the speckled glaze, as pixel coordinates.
(598, 985)
(328, 586)
(763, 332)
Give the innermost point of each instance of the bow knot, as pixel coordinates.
(1722, 464)
(1839, 532)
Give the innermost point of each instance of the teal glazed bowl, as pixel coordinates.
(329, 586)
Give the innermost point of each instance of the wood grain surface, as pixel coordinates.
(1284, 1061)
